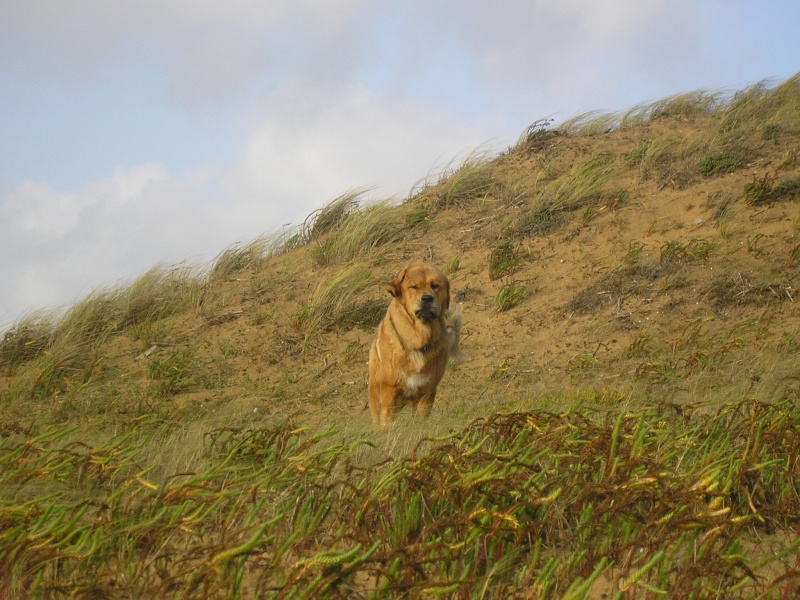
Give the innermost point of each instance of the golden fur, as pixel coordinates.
(414, 342)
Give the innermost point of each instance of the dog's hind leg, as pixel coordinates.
(422, 407)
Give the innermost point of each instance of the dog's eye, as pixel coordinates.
(414, 287)
(434, 286)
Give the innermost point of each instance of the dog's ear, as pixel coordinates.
(395, 287)
(446, 294)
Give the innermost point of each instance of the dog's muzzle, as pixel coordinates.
(428, 308)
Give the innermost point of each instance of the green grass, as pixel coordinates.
(715, 163)
(509, 296)
(26, 340)
(538, 501)
(172, 373)
(471, 180)
(542, 220)
(239, 258)
(537, 136)
(763, 190)
(504, 259)
(585, 184)
(675, 253)
(332, 215)
(417, 214)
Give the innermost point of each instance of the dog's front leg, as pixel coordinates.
(375, 401)
(389, 404)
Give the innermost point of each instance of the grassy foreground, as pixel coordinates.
(518, 505)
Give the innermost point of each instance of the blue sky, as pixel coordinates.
(137, 132)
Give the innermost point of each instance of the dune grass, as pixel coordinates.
(358, 233)
(332, 215)
(50, 353)
(587, 183)
(653, 502)
(461, 184)
(509, 296)
(340, 298)
(751, 107)
(252, 255)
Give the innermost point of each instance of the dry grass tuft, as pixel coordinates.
(332, 215)
(251, 256)
(160, 293)
(26, 340)
(360, 234)
(586, 184)
(334, 300)
(471, 180)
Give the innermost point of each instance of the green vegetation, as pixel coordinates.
(719, 162)
(509, 296)
(354, 233)
(471, 180)
(504, 260)
(238, 259)
(547, 503)
(542, 220)
(680, 253)
(631, 432)
(417, 215)
(584, 185)
(764, 189)
(173, 373)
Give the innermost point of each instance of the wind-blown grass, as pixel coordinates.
(757, 106)
(161, 292)
(360, 234)
(334, 299)
(332, 215)
(27, 339)
(253, 255)
(662, 500)
(48, 354)
(469, 181)
(585, 184)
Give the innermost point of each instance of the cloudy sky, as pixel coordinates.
(143, 132)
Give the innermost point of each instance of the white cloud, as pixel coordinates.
(305, 151)
(569, 55)
(58, 245)
(299, 156)
(211, 51)
(34, 211)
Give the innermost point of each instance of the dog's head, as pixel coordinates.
(423, 290)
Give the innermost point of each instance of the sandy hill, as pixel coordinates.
(615, 263)
(649, 256)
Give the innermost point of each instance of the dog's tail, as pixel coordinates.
(453, 321)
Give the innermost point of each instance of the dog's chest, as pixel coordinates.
(415, 378)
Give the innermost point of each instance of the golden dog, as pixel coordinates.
(415, 340)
